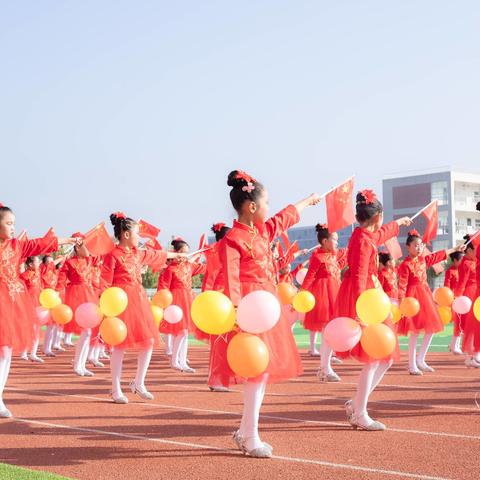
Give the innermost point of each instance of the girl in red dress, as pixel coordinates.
(17, 315)
(76, 278)
(387, 275)
(33, 281)
(412, 282)
(323, 281)
(247, 264)
(49, 271)
(451, 281)
(218, 377)
(177, 278)
(471, 326)
(122, 268)
(362, 260)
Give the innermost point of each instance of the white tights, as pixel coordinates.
(81, 350)
(412, 350)
(5, 361)
(180, 349)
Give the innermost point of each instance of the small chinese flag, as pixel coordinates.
(23, 235)
(147, 230)
(431, 215)
(203, 242)
(98, 241)
(339, 202)
(475, 239)
(394, 248)
(153, 244)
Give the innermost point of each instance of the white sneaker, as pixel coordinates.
(331, 377)
(23, 356)
(36, 359)
(97, 364)
(424, 367)
(188, 369)
(141, 392)
(336, 361)
(314, 353)
(471, 363)
(364, 422)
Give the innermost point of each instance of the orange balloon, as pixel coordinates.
(113, 331)
(61, 314)
(163, 298)
(444, 296)
(286, 292)
(247, 355)
(409, 307)
(378, 340)
(445, 314)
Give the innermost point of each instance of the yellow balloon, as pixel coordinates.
(49, 298)
(213, 313)
(373, 306)
(113, 301)
(476, 309)
(157, 314)
(303, 301)
(445, 314)
(396, 313)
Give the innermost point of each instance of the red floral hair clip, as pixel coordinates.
(245, 176)
(1, 205)
(413, 233)
(178, 239)
(77, 235)
(368, 196)
(218, 226)
(120, 215)
(249, 187)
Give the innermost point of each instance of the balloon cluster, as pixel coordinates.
(52, 308)
(162, 308)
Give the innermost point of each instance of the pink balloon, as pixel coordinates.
(462, 305)
(258, 312)
(173, 314)
(342, 334)
(43, 315)
(300, 276)
(88, 315)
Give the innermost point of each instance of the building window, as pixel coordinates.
(477, 224)
(442, 223)
(469, 222)
(440, 192)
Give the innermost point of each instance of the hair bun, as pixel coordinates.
(113, 219)
(319, 227)
(466, 237)
(413, 233)
(238, 178)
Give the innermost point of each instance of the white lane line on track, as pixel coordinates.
(273, 417)
(199, 446)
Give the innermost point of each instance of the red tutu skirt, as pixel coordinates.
(17, 319)
(138, 317)
(285, 360)
(427, 320)
(183, 298)
(345, 306)
(471, 331)
(219, 371)
(75, 295)
(325, 291)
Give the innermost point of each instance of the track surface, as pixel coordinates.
(67, 425)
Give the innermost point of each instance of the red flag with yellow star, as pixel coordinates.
(339, 202)
(98, 241)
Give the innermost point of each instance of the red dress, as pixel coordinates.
(213, 267)
(388, 278)
(471, 328)
(248, 265)
(177, 278)
(49, 275)
(451, 281)
(362, 259)
(33, 282)
(17, 315)
(76, 278)
(466, 285)
(323, 281)
(412, 282)
(122, 267)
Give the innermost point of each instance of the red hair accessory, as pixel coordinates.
(178, 239)
(368, 196)
(413, 233)
(323, 226)
(249, 187)
(218, 226)
(245, 176)
(78, 235)
(120, 215)
(1, 205)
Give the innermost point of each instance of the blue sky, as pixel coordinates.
(145, 106)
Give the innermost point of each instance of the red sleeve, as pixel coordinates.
(386, 232)
(282, 221)
(108, 269)
(448, 278)
(230, 260)
(165, 279)
(359, 267)
(463, 274)
(342, 258)
(198, 268)
(435, 258)
(403, 273)
(311, 275)
(62, 277)
(155, 259)
(38, 246)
